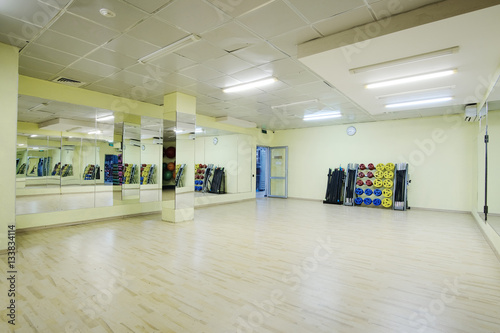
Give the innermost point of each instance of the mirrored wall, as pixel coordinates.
(77, 157)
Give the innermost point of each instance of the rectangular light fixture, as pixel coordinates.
(33, 136)
(250, 85)
(199, 130)
(171, 48)
(106, 118)
(419, 102)
(294, 103)
(94, 132)
(411, 79)
(406, 60)
(323, 115)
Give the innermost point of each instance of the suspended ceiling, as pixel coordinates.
(241, 41)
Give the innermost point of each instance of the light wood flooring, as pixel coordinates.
(269, 265)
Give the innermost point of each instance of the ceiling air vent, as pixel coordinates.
(68, 82)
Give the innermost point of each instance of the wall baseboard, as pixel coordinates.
(480, 222)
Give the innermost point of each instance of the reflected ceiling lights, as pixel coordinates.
(411, 79)
(106, 118)
(250, 85)
(322, 115)
(419, 102)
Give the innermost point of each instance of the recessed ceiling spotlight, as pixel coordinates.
(107, 12)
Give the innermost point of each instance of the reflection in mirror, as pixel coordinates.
(151, 159)
(131, 160)
(168, 166)
(185, 145)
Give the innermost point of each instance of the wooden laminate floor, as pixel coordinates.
(269, 265)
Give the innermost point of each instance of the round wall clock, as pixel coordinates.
(215, 141)
(351, 130)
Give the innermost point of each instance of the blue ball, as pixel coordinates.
(378, 192)
(359, 191)
(358, 201)
(368, 201)
(368, 192)
(377, 202)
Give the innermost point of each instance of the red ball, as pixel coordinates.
(360, 182)
(369, 174)
(361, 175)
(362, 167)
(170, 152)
(369, 183)
(371, 166)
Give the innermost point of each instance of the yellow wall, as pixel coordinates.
(8, 98)
(440, 152)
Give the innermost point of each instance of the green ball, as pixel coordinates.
(167, 175)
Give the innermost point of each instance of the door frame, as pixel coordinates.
(286, 173)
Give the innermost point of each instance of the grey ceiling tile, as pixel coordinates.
(48, 54)
(31, 11)
(93, 67)
(259, 54)
(316, 10)
(80, 28)
(39, 65)
(126, 15)
(237, 8)
(65, 43)
(288, 41)
(173, 62)
(231, 36)
(75, 74)
(344, 21)
(131, 47)
(201, 51)
(201, 73)
(34, 73)
(249, 75)
(272, 19)
(17, 30)
(228, 64)
(149, 6)
(111, 58)
(194, 16)
(11, 40)
(157, 32)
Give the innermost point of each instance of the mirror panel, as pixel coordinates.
(151, 159)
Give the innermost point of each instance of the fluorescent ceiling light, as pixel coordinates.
(250, 85)
(94, 132)
(171, 48)
(407, 60)
(294, 103)
(106, 118)
(199, 130)
(420, 102)
(20, 144)
(411, 79)
(33, 136)
(322, 115)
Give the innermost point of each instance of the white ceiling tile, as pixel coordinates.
(299, 78)
(34, 73)
(31, 11)
(194, 16)
(228, 64)
(150, 71)
(39, 65)
(157, 100)
(65, 43)
(223, 81)
(386, 8)
(179, 80)
(288, 41)
(201, 51)
(103, 89)
(149, 6)
(157, 32)
(287, 93)
(206, 100)
(126, 15)
(116, 84)
(17, 30)
(316, 10)
(201, 73)
(11, 40)
(272, 20)
(111, 58)
(283, 67)
(231, 37)
(80, 28)
(237, 8)
(78, 75)
(275, 86)
(344, 21)
(48, 54)
(259, 54)
(131, 47)
(314, 88)
(93, 67)
(249, 75)
(173, 62)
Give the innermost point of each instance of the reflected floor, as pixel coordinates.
(494, 221)
(35, 204)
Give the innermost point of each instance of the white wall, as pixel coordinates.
(440, 152)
